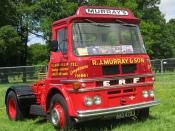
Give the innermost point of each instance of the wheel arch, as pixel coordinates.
(50, 94)
(54, 91)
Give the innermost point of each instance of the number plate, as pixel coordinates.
(125, 114)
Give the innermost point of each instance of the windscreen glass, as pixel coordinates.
(106, 38)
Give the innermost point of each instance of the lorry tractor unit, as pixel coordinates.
(98, 68)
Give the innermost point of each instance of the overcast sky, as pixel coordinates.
(167, 7)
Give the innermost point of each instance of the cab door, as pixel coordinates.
(58, 65)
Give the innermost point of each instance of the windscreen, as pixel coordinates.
(106, 39)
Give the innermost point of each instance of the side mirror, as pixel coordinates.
(54, 45)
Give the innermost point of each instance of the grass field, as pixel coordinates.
(161, 118)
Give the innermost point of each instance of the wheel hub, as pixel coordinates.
(57, 116)
(12, 108)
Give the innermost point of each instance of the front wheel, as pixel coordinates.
(12, 107)
(59, 116)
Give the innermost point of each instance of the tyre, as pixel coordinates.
(142, 114)
(12, 107)
(59, 116)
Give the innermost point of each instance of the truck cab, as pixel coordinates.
(98, 68)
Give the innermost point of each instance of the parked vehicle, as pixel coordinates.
(98, 68)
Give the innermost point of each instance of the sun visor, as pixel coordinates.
(105, 13)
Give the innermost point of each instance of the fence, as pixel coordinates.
(163, 65)
(21, 74)
(25, 74)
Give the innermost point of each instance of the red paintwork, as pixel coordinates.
(75, 101)
(12, 108)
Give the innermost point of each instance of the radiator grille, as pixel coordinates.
(129, 68)
(110, 70)
(115, 69)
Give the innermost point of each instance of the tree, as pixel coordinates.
(38, 54)
(25, 22)
(18, 13)
(7, 13)
(152, 24)
(47, 11)
(11, 50)
(169, 39)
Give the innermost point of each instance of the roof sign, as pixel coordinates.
(106, 12)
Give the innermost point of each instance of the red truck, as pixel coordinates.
(98, 68)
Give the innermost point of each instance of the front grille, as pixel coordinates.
(115, 69)
(128, 90)
(110, 70)
(129, 68)
(114, 92)
(125, 91)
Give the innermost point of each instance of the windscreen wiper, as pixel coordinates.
(125, 24)
(97, 24)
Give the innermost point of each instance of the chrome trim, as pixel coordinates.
(110, 87)
(113, 110)
(105, 79)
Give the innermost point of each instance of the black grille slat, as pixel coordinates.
(128, 90)
(110, 70)
(129, 68)
(114, 92)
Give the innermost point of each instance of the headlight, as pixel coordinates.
(145, 94)
(97, 100)
(83, 85)
(88, 101)
(151, 93)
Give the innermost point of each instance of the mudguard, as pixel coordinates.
(24, 94)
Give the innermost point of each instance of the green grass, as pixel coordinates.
(161, 118)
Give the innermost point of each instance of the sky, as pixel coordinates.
(33, 39)
(167, 7)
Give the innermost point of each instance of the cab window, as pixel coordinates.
(62, 40)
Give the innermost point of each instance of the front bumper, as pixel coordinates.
(113, 110)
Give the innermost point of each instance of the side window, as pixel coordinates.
(62, 39)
